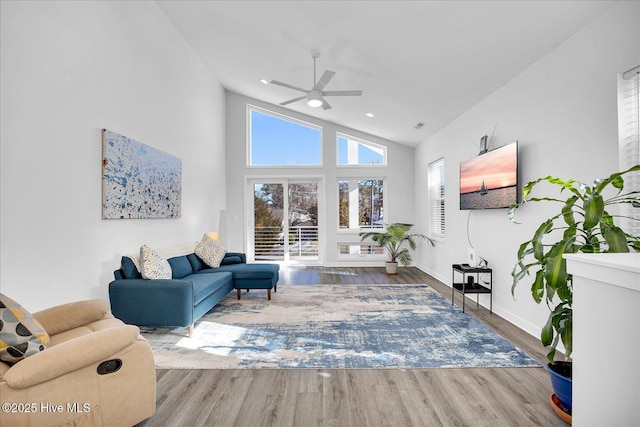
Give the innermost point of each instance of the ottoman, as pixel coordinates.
(253, 276)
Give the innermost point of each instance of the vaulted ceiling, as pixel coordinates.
(416, 61)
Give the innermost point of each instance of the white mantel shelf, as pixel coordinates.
(599, 267)
(606, 339)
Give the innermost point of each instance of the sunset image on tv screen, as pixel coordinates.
(490, 180)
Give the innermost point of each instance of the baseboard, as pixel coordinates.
(434, 274)
(519, 322)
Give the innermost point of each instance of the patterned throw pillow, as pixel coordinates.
(154, 266)
(210, 252)
(21, 335)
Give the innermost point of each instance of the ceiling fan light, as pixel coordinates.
(314, 101)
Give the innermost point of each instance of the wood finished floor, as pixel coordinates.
(362, 397)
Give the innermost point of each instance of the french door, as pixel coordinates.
(283, 220)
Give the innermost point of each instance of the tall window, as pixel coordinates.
(361, 203)
(629, 136)
(276, 140)
(354, 151)
(435, 181)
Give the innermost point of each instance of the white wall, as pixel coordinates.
(398, 172)
(563, 112)
(70, 69)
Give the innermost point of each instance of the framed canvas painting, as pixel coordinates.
(138, 181)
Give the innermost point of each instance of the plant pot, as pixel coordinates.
(392, 267)
(560, 410)
(561, 381)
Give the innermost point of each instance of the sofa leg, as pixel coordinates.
(269, 294)
(275, 288)
(190, 331)
(239, 293)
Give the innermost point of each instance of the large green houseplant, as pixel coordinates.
(581, 224)
(394, 238)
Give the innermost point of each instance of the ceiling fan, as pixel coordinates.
(315, 96)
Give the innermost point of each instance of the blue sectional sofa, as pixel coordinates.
(194, 288)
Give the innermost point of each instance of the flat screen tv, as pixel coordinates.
(490, 181)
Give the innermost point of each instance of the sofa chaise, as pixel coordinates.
(193, 289)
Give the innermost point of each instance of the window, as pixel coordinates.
(360, 251)
(354, 151)
(629, 137)
(435, 181)
(276, 140)
(361, 203)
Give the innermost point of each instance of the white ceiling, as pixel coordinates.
(416, 61)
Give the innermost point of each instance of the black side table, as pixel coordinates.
(471, 283)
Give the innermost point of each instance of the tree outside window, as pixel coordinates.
(361, 203)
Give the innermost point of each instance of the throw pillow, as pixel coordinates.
(154, 266)
(130, 267)
(21, 335)
(210, 252)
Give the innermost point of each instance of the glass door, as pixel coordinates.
(285, 220)
(268, 221)
(303, 221)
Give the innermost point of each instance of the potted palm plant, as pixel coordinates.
(393, 239)
(581, 224)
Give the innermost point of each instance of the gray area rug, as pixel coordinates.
(335, 326)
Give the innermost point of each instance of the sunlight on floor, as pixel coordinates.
(324, 270)
(340, 272)
(224, 337)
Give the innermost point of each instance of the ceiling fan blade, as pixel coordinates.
(293, 100)
(324, 80)
(342, 93)
(275, 82)
(325, 105)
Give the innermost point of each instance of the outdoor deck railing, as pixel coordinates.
(269, 241)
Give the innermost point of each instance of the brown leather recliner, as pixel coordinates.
(97, 371)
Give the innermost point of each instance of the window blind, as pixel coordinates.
(435, 182)
(629, 135)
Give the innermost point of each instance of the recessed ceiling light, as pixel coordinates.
(369, 115)
(264, 81)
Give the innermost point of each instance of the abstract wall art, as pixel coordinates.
(138, 181)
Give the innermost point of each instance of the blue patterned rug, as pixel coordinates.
(335, 326)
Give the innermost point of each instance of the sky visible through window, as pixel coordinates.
(366, 154)
(279, 142)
